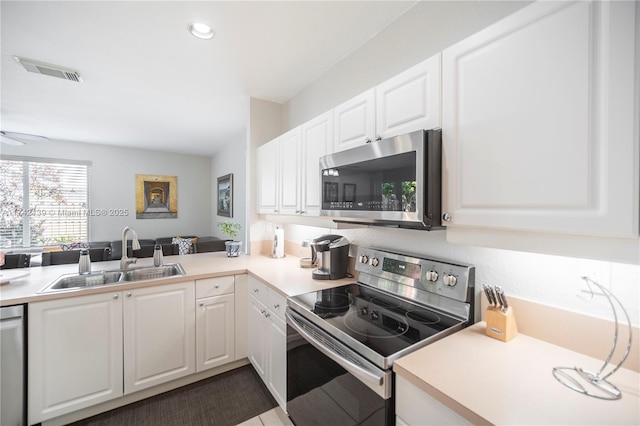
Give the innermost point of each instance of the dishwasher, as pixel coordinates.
(13, 407)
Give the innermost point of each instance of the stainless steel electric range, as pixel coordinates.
(342, 342)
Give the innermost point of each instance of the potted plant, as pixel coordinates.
(231, 229)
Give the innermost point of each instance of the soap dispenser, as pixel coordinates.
(157, 255)
(84, 265)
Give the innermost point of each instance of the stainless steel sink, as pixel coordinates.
(72, 281)
(153, 272)
(94, 279)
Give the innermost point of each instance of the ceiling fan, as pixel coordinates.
(18, 139)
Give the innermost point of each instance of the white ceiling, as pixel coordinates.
(150, 84)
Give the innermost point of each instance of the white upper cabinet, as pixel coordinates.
(354, 121)
(317, 141)
(289, 168)
(268, 163)
(290, 147)
(538, 123)
(409, 101)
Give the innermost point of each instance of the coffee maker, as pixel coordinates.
(331, 252)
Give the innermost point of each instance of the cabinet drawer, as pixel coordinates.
(277, 303)
(209, 287)
(258, 290)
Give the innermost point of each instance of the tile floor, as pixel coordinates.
(274, 417)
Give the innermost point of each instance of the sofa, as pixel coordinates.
(112, 250)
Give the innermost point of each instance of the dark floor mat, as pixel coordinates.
(227, 399)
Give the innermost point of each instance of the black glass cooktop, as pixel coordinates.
(368, 317)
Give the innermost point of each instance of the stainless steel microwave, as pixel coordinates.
(391, 182)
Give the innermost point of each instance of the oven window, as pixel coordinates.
(382, 184)
(320, 392)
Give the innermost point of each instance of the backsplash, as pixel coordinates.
(544, 279)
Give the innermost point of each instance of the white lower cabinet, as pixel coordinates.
(277, 359)
(416, 407)
(90, 349)
(267, 335)
(215, 322)
(159, 335)
(75, 354)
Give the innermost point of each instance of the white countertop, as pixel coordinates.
(489, 381)
(284, 275)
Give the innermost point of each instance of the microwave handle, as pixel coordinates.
(374, 380)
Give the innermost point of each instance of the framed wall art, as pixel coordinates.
(330, 192)
(156, 197)
(349, 191)
(225, 195)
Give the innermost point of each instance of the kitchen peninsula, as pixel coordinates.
(518, 373)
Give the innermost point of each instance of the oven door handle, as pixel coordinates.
(374, 379)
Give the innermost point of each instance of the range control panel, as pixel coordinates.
(445, 278)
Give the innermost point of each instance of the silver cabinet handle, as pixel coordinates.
(378, 138)
(367, 140)
(201, 303)
(217, 286)
(446, 217)
(115, 296)
(255, 290)
(263, 311)
(267, 315)
(129, 294)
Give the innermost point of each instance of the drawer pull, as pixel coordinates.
(276, 305)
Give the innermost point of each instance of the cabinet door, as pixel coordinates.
(267, 165)
(159, 335)
(215, 328)
(290, 147)
(538, 122)
(409, 101)
(354, 121)
(256, 345)
(241, 315)
(317, 141)
(277, 355)
(75, 354)
(415, 407)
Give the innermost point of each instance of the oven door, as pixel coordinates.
(329, 384)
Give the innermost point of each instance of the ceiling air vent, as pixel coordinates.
(48, 69)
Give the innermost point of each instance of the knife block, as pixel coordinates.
(501, 325)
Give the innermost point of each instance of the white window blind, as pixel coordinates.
(43, 202)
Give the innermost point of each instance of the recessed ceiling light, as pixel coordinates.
(201, 30)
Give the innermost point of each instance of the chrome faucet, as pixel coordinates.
(125, 260)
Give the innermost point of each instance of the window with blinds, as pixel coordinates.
(43, 202)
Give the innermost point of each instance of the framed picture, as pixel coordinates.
(156, 197)
(349, 192)
(330, 192)
(225, 195)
